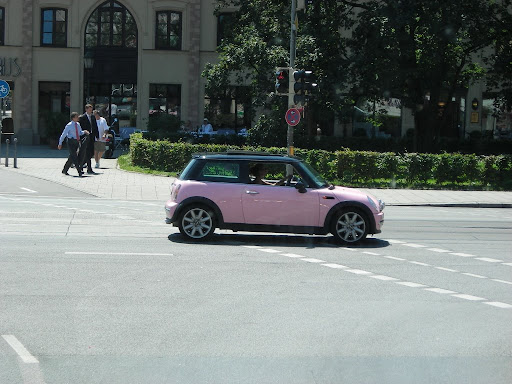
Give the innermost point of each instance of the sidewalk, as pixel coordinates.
(113, 183)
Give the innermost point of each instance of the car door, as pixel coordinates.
(279, 205)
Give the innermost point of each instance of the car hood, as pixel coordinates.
(352, 194)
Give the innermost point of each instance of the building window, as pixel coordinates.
(54, 27)
(224, 26)
(168, 30)
(111, 25)
(229, 108)
(165, 98)
(2, 25)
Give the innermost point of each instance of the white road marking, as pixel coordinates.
(502, 281)
(28, 190)
(468, 297)
(251, 246)
(382, 277)
(359, 272)
(22, 352)
(349, 249)
(410, 284)
(119, 253)
(394, 258)
(439, 290)
(335, 266)
(417, 262)
(510, 264)
(498, 304)
(291, 255)
(392, 241)
(473, 275)
(439, 250)
(489, 260)
(461, 254)
(268, 250)
(372, 253)
(415, 245)
(311, 260)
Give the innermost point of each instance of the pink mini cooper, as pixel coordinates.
(246, 191)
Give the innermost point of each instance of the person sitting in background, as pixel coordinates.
(206, 127)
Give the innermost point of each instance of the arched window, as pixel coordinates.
(111, 25)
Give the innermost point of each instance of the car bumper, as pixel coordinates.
(379, 222)
(170, 209)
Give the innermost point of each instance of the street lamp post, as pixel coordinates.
(88, 65)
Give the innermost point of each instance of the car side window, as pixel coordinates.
(274, 174)
(220, 171)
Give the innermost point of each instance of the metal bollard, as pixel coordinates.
(7, 152)
(15, 160)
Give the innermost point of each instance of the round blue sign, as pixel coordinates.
(4, 89)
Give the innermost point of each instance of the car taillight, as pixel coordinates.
(174, 192)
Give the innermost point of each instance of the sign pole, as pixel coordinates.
(4, 91)
(293, 34)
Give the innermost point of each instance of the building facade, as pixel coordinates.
(129, 58)
(132, 59)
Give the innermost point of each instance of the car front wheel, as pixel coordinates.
(196, 223)
(350, 226)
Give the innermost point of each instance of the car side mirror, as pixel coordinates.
(300, 187)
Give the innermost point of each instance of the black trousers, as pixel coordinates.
(74, 158)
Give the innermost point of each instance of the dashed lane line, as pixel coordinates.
(439, 250)
(394, 280)
(20, 349)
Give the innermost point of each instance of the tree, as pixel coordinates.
(421, 51)
(258, 42)
(499, 78)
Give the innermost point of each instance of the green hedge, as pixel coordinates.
(356, 168)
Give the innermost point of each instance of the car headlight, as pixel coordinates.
(372, 203)
(174, 192)
(382, 205)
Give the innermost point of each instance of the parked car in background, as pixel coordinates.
(267, 193)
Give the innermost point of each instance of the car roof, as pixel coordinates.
(246, 155)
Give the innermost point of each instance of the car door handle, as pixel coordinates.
(252, 192)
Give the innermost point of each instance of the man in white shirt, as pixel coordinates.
(206, 127)
(99, 144)
(72, 132)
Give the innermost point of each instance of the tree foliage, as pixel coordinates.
(420, 51)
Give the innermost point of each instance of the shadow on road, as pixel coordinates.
(308, 242)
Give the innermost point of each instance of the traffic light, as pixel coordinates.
(282, 80)
(304, 86)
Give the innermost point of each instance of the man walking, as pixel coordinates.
(72, 132)
(88, 122)
(99, 144)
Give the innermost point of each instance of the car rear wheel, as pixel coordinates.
(350, 225)
(196, 223)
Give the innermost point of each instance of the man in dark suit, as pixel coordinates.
(88, 122)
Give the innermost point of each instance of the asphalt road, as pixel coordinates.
(102, 291)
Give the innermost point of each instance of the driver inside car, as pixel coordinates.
(259, 172)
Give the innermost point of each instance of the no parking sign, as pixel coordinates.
(292, 116)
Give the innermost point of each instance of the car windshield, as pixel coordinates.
(315, 176)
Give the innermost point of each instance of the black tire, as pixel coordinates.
(108, 154)
(350, 226)
(197, 222)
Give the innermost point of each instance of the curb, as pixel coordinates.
(453, 205)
